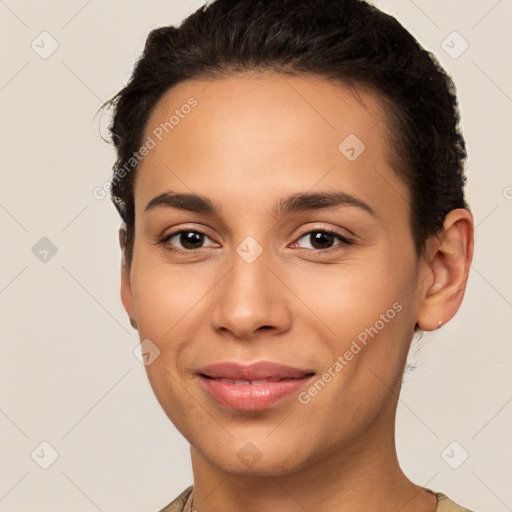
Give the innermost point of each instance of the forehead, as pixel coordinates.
(263, 102)
(267, 132)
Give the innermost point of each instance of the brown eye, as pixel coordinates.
(185, 240)
(191, 239)
(323, 240)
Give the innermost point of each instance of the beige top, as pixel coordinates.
(182, 503)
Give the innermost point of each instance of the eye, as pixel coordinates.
(185, 241)
(188, 241)
(323, 239)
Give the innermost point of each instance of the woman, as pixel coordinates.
(290, 177)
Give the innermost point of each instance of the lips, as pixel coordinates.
(257, 371)
(251, 387)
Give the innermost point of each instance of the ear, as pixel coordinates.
(126, 287)
(446, 270)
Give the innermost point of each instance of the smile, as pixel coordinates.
(251, 387)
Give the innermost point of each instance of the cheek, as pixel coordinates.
(169, 303)
(352, 296)
(162, 299)
(164, 294)
(366, 320)
(368, 311)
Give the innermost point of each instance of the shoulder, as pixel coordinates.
(445, 504)
(178, 503)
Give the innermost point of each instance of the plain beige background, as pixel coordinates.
(68, 374)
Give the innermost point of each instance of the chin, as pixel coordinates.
(255, 459)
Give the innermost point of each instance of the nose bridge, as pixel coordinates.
(249, 296)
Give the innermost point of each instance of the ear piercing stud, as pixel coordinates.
(439, 324)
(133, 323)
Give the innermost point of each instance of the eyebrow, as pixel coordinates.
(293, 203)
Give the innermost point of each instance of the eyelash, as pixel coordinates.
(344, 241)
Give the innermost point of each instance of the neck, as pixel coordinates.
(362, 476)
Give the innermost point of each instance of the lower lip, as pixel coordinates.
(251, 397)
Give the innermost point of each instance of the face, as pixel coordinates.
(297, 252)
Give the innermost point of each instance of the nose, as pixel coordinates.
(251, 299)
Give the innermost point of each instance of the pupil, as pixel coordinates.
(320, 238)
(191, 239)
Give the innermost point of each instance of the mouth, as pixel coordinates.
(245, 382)
(252, 387)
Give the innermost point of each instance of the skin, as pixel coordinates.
(252, 140)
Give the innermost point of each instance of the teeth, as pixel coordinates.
(237, 382)
(244, 382)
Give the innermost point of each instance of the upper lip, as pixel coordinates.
(254, 371)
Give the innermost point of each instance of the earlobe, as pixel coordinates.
(448, 268)
(126, 288)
